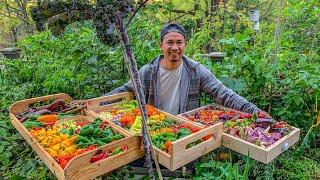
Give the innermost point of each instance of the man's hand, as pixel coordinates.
(264, 114)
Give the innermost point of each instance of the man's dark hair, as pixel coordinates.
(172, 27)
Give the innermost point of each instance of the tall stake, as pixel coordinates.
(137, 85)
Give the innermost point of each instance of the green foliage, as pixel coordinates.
(222, 170)
(284, 81)
(77, 62)
(293, 166)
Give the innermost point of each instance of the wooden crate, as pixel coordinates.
(264, 155)
(79, 167)
(180, 155)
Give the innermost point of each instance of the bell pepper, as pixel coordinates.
(207, 137)
(124, 148)
(98, 156)
(86, 130)
(117, 150)
(48, 118)
(68, 142)
(52, 152)
(168, 146)
(63, 163)
(104, 125)
(82, 139)
(32, 124)
(98, 132)
(107, 139)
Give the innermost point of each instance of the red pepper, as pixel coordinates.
(37, 128)
(124, 148)
(103, 125)
(63, 162)
(98, 156)
(207, 137)
(83, 123)
(49, 123)
(89, 148)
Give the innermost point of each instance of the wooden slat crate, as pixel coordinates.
(264, 155)
(79, 167)
(180, 155)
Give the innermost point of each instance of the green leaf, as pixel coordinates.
(15, 177)
(29, 167)
(3, 132)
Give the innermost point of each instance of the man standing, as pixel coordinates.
(173, 82)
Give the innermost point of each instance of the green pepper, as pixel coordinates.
(106, 139)
(108, 132)
(82, 139)
(183, 132)
(32, 124)
(117, 136)
(96, 122)
(98, 132)
(67, 131)
(81, 145)
(86, 130)
(98, 142)
(117, 150)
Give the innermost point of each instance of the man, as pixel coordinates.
(172, 82)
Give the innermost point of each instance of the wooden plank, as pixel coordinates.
(81, 168)
(243, 147)
(283, 144)
(21, 106)
(181, 155)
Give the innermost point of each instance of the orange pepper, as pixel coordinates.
(48, 118)
(168, 146)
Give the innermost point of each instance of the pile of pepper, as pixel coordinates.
(65, 139)
(163, 131)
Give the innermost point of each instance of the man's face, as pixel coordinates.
(173, 45)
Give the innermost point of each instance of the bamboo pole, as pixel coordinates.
(137, 85)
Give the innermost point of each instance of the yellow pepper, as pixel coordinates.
(68, 142)
(56, 147)
(52, 152)
(47, 141)
(70, 150)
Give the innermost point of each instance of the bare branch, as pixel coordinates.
(136, 11)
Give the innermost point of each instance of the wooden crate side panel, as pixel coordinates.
(106, 165)
(81, 167)
(244, 147)
(163, 158)
(181, 155)
(21, 106)
(283, 144)
(95, 103)
(41, 152)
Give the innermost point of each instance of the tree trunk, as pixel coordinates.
(12, 28)
(137, 85)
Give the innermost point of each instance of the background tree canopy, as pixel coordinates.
(62, 52)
